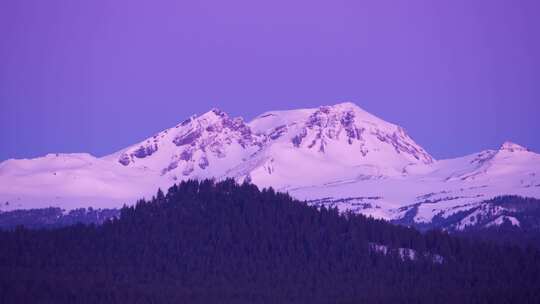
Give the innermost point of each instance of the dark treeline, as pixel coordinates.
(206, 242)
(54, 217)
(505, 234)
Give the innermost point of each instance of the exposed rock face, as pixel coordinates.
(146, 149)
(349, 123)
(194, 144)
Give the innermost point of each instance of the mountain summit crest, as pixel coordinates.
(513, 147)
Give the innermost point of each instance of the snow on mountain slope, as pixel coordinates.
(328, 144)
(200, 147)
(70, 181)
(336, 155)
(438, 190)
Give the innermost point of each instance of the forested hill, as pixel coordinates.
(206, 242)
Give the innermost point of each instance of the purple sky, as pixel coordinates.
(95, 76)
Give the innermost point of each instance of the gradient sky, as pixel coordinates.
(95, 76)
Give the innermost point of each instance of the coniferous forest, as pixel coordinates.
(207, 242)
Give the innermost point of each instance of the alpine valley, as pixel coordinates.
(338, 156)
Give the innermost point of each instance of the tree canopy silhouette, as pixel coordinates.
(208, 242)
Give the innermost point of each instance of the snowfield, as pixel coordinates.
(336, 155)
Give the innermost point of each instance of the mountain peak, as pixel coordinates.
(512, 147)
(217, 112)
(208, 119)
(346, 104)
(360, 113)
(344, 133)
(213, 114)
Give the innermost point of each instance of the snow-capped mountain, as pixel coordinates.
(70, 181)
(339, 141)
(439, 190)
(336, 155)
(200, 147)
(327, 145)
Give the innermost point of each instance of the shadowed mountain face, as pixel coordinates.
(339, 156)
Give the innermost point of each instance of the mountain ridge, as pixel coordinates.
(338, 155)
